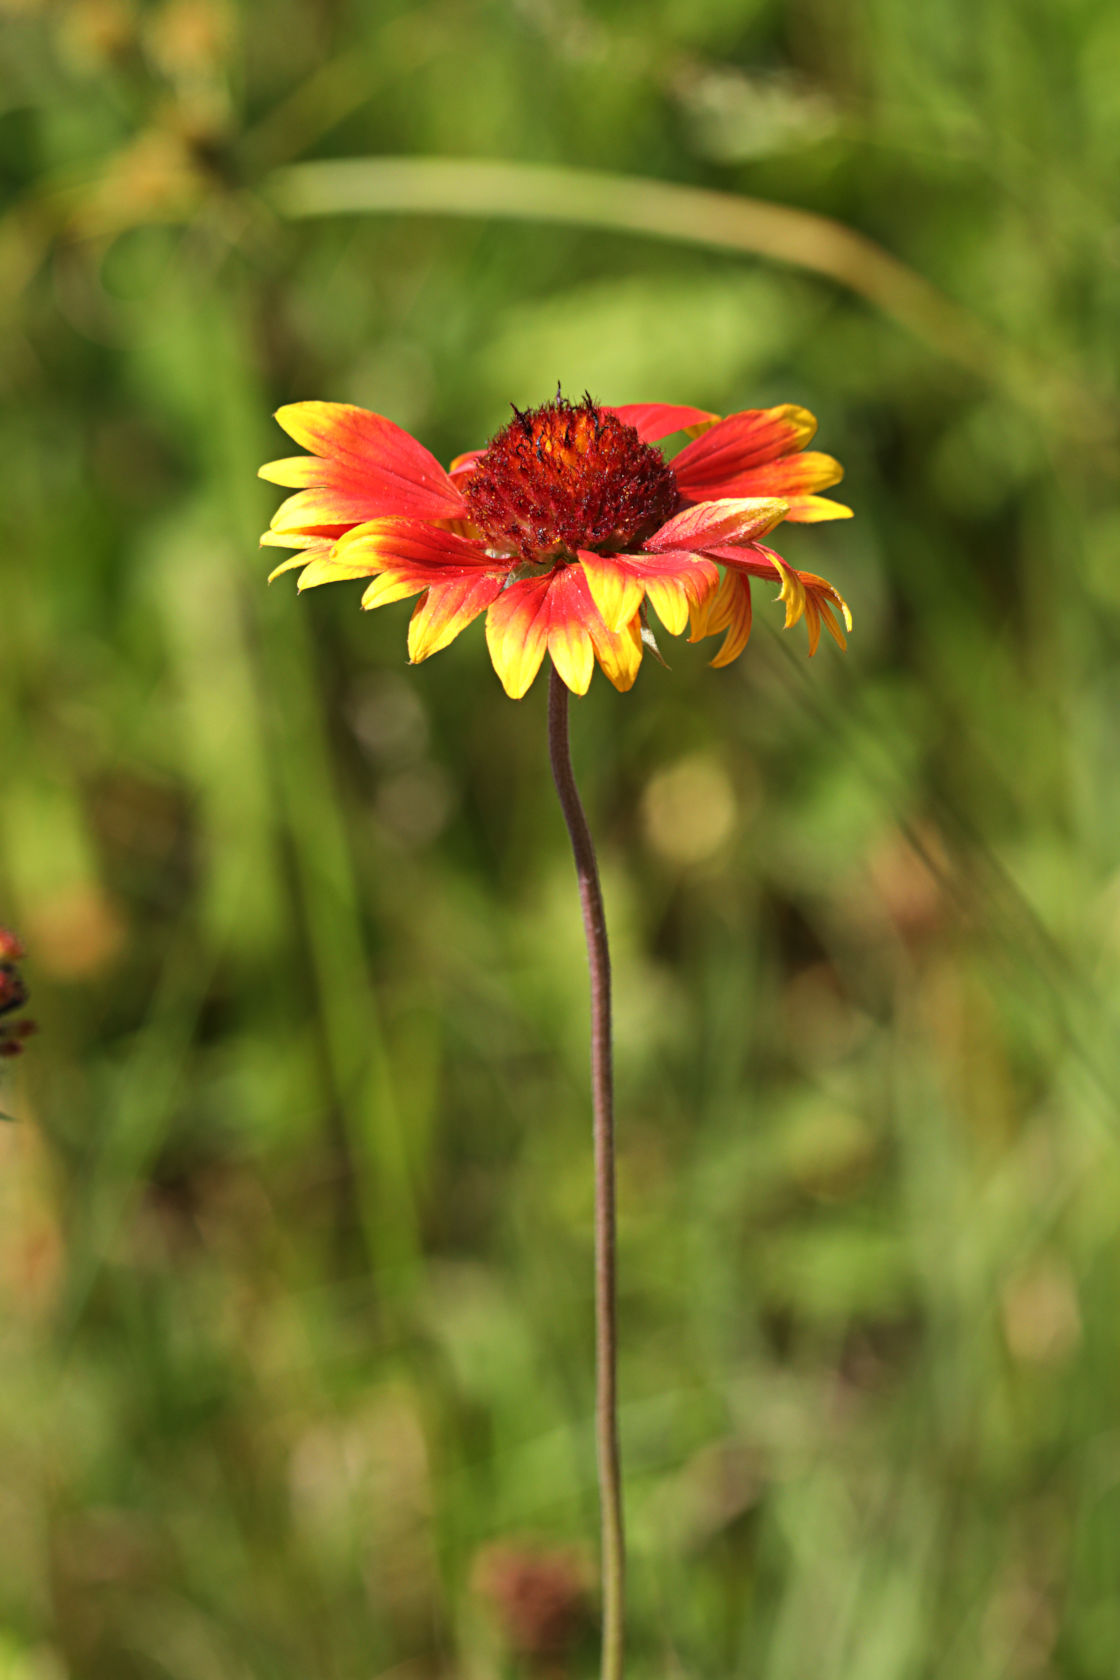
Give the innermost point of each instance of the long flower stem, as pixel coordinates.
(613, 1562)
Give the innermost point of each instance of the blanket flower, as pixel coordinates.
(564, 530)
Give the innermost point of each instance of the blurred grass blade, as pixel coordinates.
(816, 244)
(625, 203)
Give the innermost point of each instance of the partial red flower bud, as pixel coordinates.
(13, 996)
(538, 1594)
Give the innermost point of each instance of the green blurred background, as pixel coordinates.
(295, 1217)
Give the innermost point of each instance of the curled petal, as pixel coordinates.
(760, 561)
(792, 591)
(731, 520)
(701, 615)
(361, 466)
(447, 608)
(804, 594)
(822, 597)
(830, 619)
(707, 466)
(728, 609)
(654, 421)
(812, 623)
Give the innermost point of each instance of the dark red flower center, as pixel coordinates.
(567, 476)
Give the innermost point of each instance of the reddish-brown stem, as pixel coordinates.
(602, 1104)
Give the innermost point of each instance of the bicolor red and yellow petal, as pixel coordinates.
(761, 452)
(803, 593)
(734, 519)
(672, 583)
(445, 609)
(728, 609)
(361, 467)
(654, 421)
(556, 614)
(402, 557)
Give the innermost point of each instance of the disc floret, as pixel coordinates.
(566, 477)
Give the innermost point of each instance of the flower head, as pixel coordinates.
(564, 530)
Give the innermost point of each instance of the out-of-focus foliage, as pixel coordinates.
(294, 1225)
